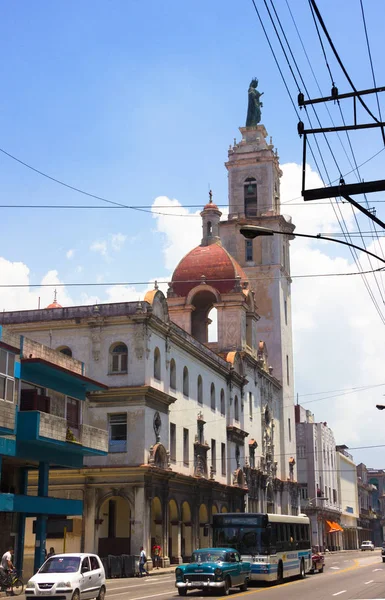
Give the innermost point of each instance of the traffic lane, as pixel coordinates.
(345, 559)
(358, 581)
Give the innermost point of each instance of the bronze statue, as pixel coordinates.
(254, 106)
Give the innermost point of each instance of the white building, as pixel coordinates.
(318, 478)
(348, 492)
(195, 427)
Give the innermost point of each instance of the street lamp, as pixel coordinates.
(252, 231)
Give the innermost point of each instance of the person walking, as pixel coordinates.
(142, 563)
(156, 550)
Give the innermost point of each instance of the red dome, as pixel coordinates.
(54, 305)
(210, 205)
(214, 262)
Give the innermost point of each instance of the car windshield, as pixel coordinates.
(212, 556)
(247, 540)
(61, 564)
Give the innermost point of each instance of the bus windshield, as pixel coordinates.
(247, 540)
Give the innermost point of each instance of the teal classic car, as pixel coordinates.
(213, 569)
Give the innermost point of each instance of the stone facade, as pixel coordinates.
(195, 426)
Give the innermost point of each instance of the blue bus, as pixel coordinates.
(277, 546)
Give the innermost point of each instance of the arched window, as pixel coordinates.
(172, 374)
(236, 408)
(250, 197)
(118, 358)
(212, 397)
(185, 382)
(157, 363)
(65, 350)
(200, 390)
(223, 405)
(209, 229)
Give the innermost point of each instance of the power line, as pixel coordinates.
(132, 283)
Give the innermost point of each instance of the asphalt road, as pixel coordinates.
(349, 575)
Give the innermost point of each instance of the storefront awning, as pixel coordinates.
(333, 527)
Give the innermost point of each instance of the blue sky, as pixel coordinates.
(133, 100)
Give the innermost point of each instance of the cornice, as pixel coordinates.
(144, 395)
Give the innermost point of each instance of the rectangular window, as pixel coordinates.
(185, 447)
(173, 441)
(223, 458)
(73, 413)
(214, 455)
(285, 306)
(284, 256)
(289, 428)
(117, 434)
(334, 496)
(249, 250)
(287, 370)
(7, 381)
(251, 405)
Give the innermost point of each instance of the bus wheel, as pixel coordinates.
(280, 573)
(302, 573)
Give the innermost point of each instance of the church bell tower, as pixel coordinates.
(254, 199)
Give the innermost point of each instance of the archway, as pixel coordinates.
(187, 548)
(114, 526)
(203, 303)
(173, 532)
(156, 523)
(204, 539)
(212, 325)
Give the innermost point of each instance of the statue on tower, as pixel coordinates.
(254, 106)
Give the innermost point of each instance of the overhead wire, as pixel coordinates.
(131, 283)
(352, 250)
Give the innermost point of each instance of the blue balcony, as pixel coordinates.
(38, 505)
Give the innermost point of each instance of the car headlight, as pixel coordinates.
(178, 572)
(62, 584)
(30, 585)
(218, 574)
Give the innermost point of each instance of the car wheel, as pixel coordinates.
(383, 560)
(226, 589)
(102, 593)
(182, 591)
(76, 595)
(280, 573)
(321, 570)
(243, 587)
(302, 573)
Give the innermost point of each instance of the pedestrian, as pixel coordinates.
(142, 563)
(156, 551)
(51, 552)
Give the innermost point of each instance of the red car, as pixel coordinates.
(318, 562)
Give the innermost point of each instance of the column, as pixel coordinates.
(41, 521)
(89, 520)
(166, 520)
(23, 487)
(140, 531)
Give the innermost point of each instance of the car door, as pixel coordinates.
(85, 579)
(234, 565)
(96, 575)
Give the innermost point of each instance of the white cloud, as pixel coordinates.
(100, 247)
(117, 241)
(70, 253)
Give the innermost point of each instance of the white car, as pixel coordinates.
(367, 545)
(69, 577)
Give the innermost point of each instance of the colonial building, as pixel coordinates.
(318, 480)
(369, 523)
(348, 493)
(195, 426)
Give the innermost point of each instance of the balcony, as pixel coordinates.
(33, 350)
(50, 432)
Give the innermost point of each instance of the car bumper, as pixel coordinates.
(55, 594)
(199, 584)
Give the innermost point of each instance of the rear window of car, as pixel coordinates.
(61, 564)
(94, 563)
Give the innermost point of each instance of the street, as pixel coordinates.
(351, 575)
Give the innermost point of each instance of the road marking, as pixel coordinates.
(335, 568)
(374, 570)
(366, 582)
(338, 593)
(143, 597)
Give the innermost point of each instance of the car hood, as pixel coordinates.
(54, 577)
(205, 567)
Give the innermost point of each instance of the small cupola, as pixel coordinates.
(211, 216)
